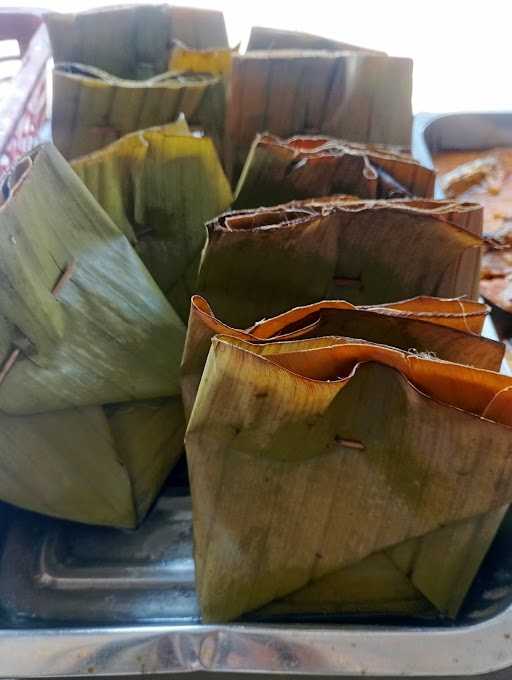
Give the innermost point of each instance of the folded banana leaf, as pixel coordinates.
(94, 465)
(262, 38)
(393, 581)
(109, 335)
(92, 108)
(132, 42)
(280, 170)
(260, 263)
(160, 186)
(446, 329)
(356, 96)
(310, 456)
(82, 324)
(217, 62)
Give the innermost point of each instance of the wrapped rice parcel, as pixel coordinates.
(160, 186)
(111, 75)
(90, 408)
(405, 580)
(280, 170)
(351, 95)
(260, 263)
(311, 457)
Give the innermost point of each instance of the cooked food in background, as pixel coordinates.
(280, 170)
(486, 177)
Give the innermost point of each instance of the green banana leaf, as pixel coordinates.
(92, 108)
(160, 186)
(109, 335)
(82, 324)
(88, 465)
(352, 95)
(281, 170)
(132, 42)
(260, 263)
(331, 451)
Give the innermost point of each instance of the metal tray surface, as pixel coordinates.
(78, 600)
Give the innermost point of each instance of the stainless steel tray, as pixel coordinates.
(78, 600)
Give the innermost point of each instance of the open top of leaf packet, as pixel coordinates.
(338, 475)
(259, 263)
(280, 170)
(111, 75)
(358, 95)
(447, 329)
(82, 325)
(160, 186)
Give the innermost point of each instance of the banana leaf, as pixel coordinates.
(260, 263)
(356, 96)
(132, 42)
(446, 329)
(94, 465)
(109, 335)
(280, 170)
(374, 586)
(160, 186)
(82, 324)
(92, 108)
(262, 38)
(217, 62)
(309, 456)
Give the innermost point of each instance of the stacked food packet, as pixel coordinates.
(241, 247)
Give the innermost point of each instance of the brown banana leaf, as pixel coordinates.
(160, 186)
(356, 96)
(258, 264)
(88, 322)
(446, 329)
(262, 38)
(92, 108)
(376, 447)
(280, 170)
(132, 42)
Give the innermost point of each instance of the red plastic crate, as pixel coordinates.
(24, 109)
